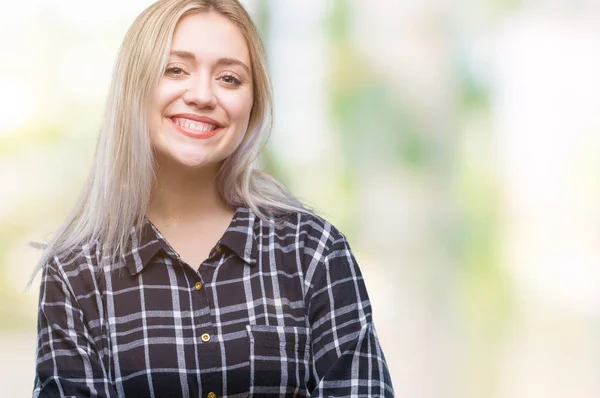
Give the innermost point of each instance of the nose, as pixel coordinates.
(200, 93)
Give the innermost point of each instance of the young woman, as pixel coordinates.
(183, 271)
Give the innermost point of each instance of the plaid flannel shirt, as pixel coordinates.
(273, 311)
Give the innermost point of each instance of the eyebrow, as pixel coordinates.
(220, 61)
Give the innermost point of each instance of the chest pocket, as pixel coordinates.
(280, 360)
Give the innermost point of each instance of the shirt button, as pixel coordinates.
(211, 395)
(206, 338)
(198, 286)
(219, 249)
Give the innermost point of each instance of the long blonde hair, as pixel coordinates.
(117, 192)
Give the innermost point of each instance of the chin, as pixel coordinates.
(194, 162)
(182, 159)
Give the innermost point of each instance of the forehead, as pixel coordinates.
(210, 35)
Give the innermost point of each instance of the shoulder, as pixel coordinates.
(308, 232)
(308, 225)
(328, 262)
(73, 258)
(78, 267)
(72, 279)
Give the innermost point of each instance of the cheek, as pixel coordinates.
(239, 107)
(164, 94)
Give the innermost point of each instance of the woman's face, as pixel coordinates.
(201, 106)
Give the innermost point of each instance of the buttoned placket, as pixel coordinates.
(208, 349)
(205, 273)
(200, 290)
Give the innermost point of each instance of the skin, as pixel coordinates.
(185, 204)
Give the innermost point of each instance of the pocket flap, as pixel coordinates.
(279, 336)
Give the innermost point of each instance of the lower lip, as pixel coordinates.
(195, 133)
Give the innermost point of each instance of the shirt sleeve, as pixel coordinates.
(347, 356)
(67, 362)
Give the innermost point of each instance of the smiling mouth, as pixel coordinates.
(194, 128)
(193, 124)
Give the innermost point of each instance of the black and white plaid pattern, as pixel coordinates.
(273, 311)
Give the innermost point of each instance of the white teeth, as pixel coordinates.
(193, 125)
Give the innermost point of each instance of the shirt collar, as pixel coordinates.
(239, 238)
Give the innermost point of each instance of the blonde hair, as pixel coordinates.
(117, 192)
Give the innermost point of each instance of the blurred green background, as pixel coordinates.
(455, 143)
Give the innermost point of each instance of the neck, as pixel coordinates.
(184, 196)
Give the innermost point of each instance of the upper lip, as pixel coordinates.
(201, 119)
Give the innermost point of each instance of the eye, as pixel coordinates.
(175, 71)
(230, 79)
